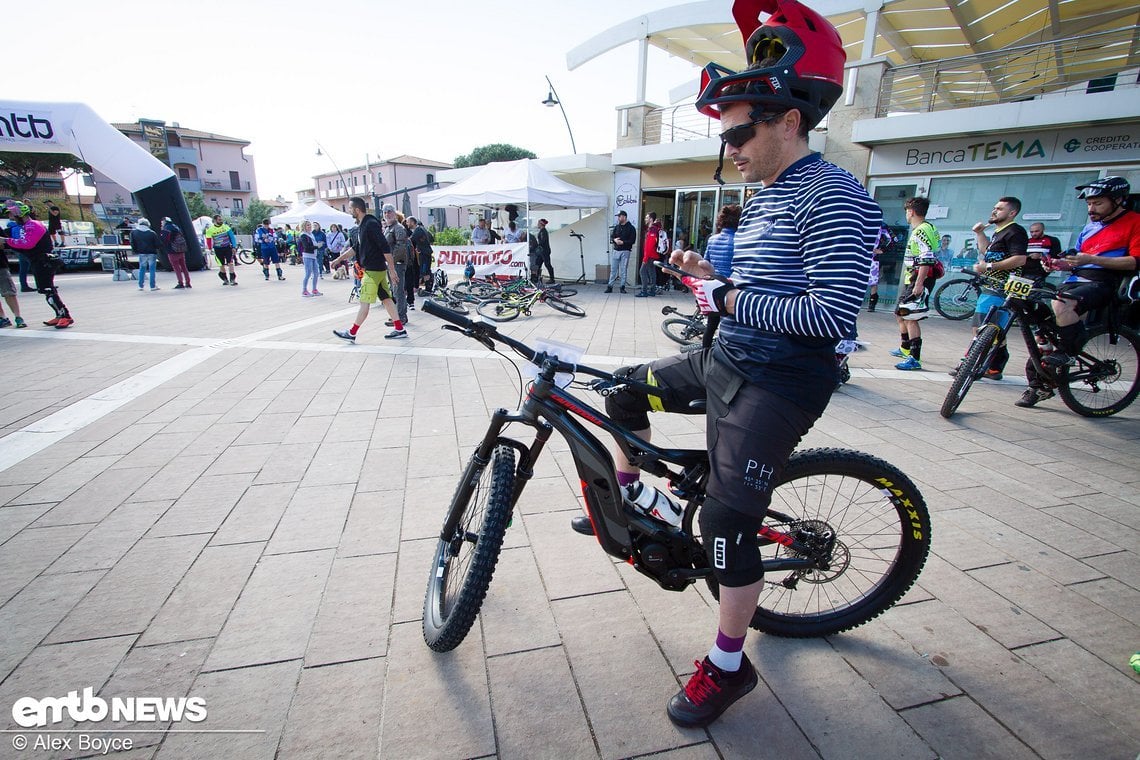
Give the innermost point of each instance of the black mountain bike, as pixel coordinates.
(956, 299)
(686, 329)
(1104, 378)
(845, 537)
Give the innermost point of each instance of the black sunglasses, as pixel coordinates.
(739, 135)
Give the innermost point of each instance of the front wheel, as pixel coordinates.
(683, 330)
(956, 299)
(450, 303)
(498, 310)
(970, 369)
(565, 307)
(870, 522)
(468, 549)
(1106, 377)
(246, 256)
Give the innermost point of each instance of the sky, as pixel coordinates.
(432, 79)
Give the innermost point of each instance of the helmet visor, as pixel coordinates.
(721, 86)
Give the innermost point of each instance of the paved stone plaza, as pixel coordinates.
(206, 494)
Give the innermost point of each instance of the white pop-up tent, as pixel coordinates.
(521, 183)
(316, 212)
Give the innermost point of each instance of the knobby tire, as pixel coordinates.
(1114, 389)
(565, 307)
(466, 554)
(683, 330)
(498, 310)
(968, 370)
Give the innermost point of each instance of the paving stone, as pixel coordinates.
(307, 429)
(840, 712)
(516, 615)
(1014, 693)
(108, 541)
(314, 519)
(171, 481)
(273, 618)
(237, 459)
(336, 712)
(538, 716)
(95, 500)
(29, 552)
(129, 595)
(202, 600)
(426, 504)
(413, 568)
(548, 495)
(247, 699)
(1112, 532)
(622, 677)
(572, 568)
(1111, 594)
(30, 615)
(1124, 566)
(373, 524)
(153, 451)
(287, 464)
(683, 624)
(16, 518)
(451, 688)
(353, 620)
(268, 429)
(958, 729)
(255, 516)
(959, 547)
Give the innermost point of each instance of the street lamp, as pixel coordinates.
(551, 101)
(343, 184)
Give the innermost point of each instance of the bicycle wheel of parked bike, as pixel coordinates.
(498, 310)
(1106, 377)
(956, 299)
(970, 369)
(875, 522)
(565, 307)
(562, 291)
(448, 302)
(683, 330)
(468, 549)
(246, 256)
(477, 289)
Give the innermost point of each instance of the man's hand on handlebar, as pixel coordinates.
(691, 262)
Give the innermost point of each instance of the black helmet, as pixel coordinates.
(1116, 188)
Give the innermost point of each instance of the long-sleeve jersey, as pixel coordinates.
(801, 258)
(32, 238)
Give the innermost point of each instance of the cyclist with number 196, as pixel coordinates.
(799, 271)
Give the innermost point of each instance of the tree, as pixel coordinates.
(197, 205)
(254, 213)
(19, 171)
(490, 153)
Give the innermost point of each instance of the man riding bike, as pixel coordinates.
(801, 260)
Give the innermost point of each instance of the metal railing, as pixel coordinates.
(1063, 66)
(678, 124)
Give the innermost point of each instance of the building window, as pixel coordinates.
(429, 179)
(237, 206)
(235, 181)
(183, 172)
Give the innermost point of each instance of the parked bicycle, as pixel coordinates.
(956, 299)
(244, 255)
(847, 534)
(493, 287)
(686, 329)
(1104, 378)
(511, 305)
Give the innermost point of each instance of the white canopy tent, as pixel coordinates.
(316, 212)
(523, 183)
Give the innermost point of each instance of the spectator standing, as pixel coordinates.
(55, 226)
(30, 236)
(543, 253)
(146, 245)
(421, 246)
(514, 234)
(224, 241)
(624, 235)
(653, 232)
(480, 235)
(175, 243)
(720, 245)
(320, 242)
(336, 242)
(918, 270)
(493, 234)
(376, 260)
(308, 250)
(397, 237)
(266, 242)
(1038, 248)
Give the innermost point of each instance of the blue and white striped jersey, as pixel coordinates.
(801, 258)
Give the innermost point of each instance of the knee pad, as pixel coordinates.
(629, 408)
(731, 545)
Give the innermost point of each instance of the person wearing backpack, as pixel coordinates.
(175, 243)
(421, 242)
(649, 254)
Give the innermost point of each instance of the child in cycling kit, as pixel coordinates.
(800, 265)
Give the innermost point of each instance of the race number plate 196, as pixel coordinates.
(1018, 287)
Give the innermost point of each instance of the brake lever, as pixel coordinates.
(472, 333)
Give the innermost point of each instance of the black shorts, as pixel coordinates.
(1087, 295)
(224, 255)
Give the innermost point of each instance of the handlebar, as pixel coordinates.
(488, 335)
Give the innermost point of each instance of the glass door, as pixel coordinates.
(891, 199)
(696, 214)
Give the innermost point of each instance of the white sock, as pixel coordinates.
(729, 662)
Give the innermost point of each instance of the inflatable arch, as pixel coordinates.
(74, 128)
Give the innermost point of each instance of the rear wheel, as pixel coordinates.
(683, 330)
(1106, 377)
(448, 302)
(870, 523)
(477, 289)
(498, 310)
(565, 307)
(970, 369)
(246, 256)
(468, 549)
(956, 299)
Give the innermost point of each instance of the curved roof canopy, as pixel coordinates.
(904, 31)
